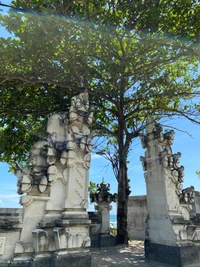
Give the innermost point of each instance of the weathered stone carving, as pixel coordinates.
(56, 185)
(169, 204)
(167, 159)
(102, 197)
(40, 240)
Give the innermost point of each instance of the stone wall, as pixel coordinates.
(99, 239)
(10, 228)
(137, 215)
(196, 205)
(95, 228)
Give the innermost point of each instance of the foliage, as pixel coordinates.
(198, 172)
(92, 189)
(133, 57)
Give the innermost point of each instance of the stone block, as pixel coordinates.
(95, 240)
(81, 259)
(20, 263)
(182, 255)
(107, 240)
(4, 264)
(40, 240)
(137, 215)
(95, 217)
(41, 260)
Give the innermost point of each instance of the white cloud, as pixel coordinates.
(96, 156)
(15, 200)
(9, 196)
(9, 200)
(9, 187)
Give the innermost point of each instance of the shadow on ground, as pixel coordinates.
(122, 256)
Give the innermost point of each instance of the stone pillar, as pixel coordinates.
(104, 209)
(56, 187)
(103, 198)
(170, 232)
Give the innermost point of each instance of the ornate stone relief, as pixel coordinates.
(169, 161)
(66, 138)
(56, 181)
(65, 239)
(162, 167)
(102, 197)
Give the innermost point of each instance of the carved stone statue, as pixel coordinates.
(55, 188)
(169, 228)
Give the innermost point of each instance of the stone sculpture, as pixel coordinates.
(54, 188)
(102, 197)
(170, 230)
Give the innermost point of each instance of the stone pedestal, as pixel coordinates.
(185, 254)
(103, 198)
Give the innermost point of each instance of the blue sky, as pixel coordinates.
(188, 146)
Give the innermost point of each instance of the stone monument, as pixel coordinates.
(171, 236)
(54, 185)
(102, 197)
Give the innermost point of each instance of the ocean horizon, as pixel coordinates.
(113, 220)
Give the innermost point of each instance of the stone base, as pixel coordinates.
(102, 240)
(95, 240)
(107, 240)
(19, 264)
(74, 259)
(57, 259)
(4, 264)
(41, 260)
(182, 255)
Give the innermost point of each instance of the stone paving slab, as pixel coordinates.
(123, 256)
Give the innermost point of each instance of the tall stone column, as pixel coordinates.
(56, 192)
(170, 234)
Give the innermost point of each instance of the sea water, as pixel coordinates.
(113, 220)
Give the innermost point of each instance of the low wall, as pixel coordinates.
(95, 228)
(137, 215)
(10, 228)
(196, 205)
(99, 240)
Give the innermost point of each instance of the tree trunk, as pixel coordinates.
(123, 192)
(122, 205)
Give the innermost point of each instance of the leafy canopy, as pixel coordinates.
(48, 58)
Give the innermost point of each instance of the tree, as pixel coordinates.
(198, 172)
(125, 60)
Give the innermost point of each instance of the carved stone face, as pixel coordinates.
(38, 156)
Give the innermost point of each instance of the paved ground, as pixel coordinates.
(122, 256)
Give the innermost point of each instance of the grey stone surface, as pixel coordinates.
(19, 264)
(10, 219)
(137, 215)
(107, 240)
(178, 256)
(72, 260)
(95, 240)
(196, 205)
(4, 264)
(41, 262)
